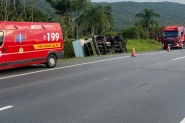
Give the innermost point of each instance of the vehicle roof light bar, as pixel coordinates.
(170, 27)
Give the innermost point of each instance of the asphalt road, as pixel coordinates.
(149, 88)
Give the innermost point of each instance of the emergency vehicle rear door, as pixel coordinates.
(3, 63)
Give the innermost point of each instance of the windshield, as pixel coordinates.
(1, 38)
(170, 34)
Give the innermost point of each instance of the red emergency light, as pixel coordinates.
(171, 27)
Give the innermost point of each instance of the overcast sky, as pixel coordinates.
(179, 1)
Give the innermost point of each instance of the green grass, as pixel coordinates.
(140, 46)
(143, 45)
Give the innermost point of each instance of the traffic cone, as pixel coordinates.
(168, 48)
(133, 52)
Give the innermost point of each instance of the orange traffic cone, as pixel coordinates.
(133, 52)
(168, 48)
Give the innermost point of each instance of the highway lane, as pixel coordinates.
(148, 88)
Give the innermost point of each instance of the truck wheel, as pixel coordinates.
(121, 51)
(119, 37)
(182, 46)
(100, 37)
(51, 61)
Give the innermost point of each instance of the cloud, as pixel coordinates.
(178, 1)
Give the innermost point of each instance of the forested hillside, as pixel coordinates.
(43, 6)
(124, 12)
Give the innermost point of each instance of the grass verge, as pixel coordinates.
(140, 46)
(143, 45)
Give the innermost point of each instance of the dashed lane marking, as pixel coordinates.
(150, 53)
(183, 121)
(178, 58)
(74, 65)
(5, 108)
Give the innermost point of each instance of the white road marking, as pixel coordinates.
(138, 69)
(178, 58)
(61, 67)
(183, 121)
(150, 53)
(7, 107)
(70, 66)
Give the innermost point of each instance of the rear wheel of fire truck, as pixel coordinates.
(51, 61)
(164, 48)
(182, 45)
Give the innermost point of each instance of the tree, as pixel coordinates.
(108, 13)
(4, 9)
(19, 7)
(32, 2)
(94, 17)
(12, 10)
(147, 19)
(66, 8)
(39, 16)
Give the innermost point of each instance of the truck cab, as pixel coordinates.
(172, 36)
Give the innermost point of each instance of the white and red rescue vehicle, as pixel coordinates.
(25, 43)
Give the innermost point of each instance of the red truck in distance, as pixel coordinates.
(173, 36)
(25, 43)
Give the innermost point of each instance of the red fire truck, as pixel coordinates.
(25, 43)
(172, 36)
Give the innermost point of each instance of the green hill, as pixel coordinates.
(124, 12)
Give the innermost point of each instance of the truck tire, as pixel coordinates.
(113, 40)
(51, 61)
(119, 37)
(100, 37)
(182, 46)
(121, 51)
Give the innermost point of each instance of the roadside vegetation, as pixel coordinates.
(91, 19)
(143, 45)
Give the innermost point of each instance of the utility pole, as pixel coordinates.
(76, 32)
(33, 2)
